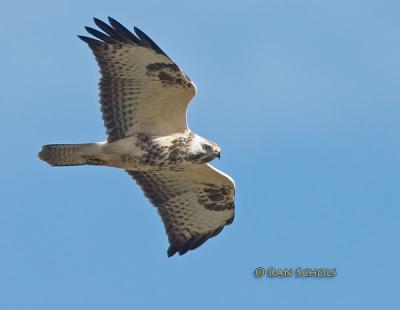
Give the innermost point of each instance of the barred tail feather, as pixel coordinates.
(69, 154)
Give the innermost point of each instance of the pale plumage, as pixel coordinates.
(144, 97)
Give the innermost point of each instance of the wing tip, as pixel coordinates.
(148, 41)
(116, 33)
(111, 20)
(90, 41)
(193, 243)
(171, 251)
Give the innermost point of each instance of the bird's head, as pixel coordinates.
(202, 150)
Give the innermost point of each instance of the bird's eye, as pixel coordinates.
(207, 147)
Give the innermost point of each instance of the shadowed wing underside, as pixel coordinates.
(141, 89)
(195, 203)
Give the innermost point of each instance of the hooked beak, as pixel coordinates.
(219, 155)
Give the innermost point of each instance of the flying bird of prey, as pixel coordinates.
(144, 98)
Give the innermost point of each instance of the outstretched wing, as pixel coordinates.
(195, 204)
(141, 89)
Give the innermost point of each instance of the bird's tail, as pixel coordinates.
(71, 154)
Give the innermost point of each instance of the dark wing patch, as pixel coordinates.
(183, 202)
(141, 89)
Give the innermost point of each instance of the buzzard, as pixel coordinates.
(144, 98)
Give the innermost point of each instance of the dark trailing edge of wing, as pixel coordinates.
(116, 33)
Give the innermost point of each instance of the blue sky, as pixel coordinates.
(303, 97)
